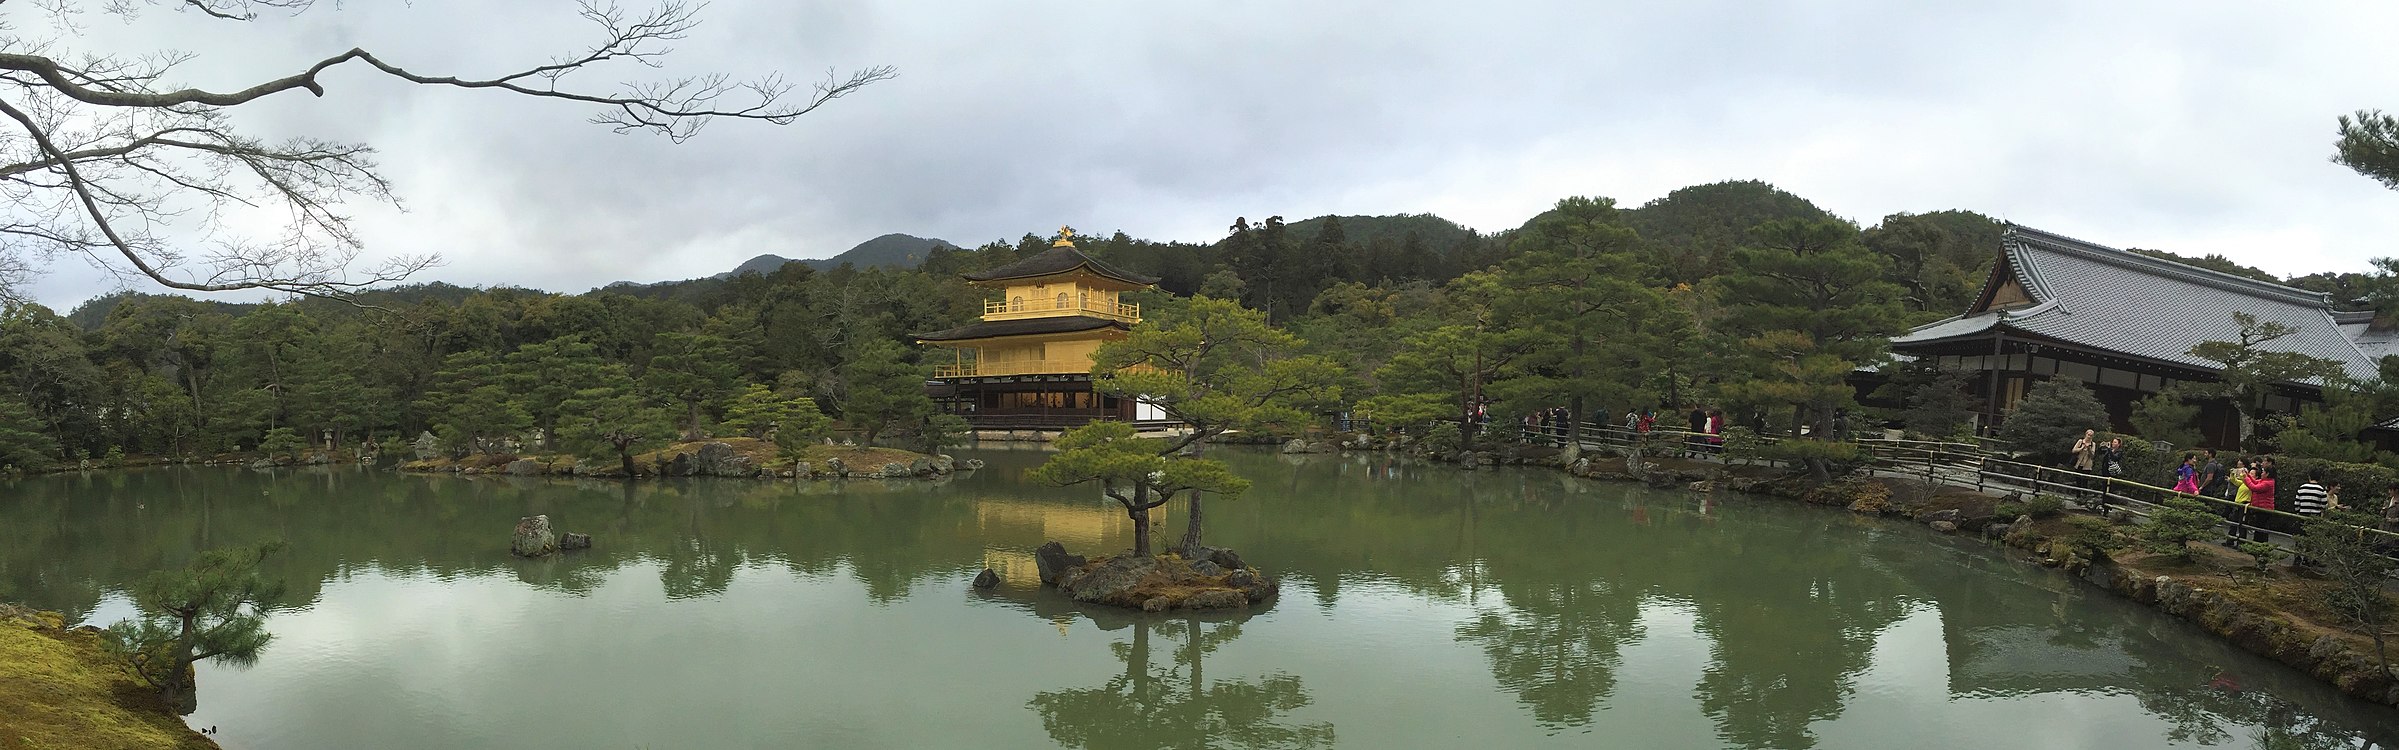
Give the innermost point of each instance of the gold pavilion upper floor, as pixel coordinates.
(1054, 311)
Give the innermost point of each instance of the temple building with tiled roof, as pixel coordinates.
(2124, 323)
(1027, 362)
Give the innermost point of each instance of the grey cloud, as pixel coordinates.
(2197, 127)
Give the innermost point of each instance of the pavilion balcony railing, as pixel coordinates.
(1042, 308)
(1014, 367)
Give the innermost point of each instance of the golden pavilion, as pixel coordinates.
(1027, 363)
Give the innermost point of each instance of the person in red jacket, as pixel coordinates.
(2261, 490)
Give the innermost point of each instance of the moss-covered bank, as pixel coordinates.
(60, 689)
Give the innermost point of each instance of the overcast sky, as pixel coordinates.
(2191, 126)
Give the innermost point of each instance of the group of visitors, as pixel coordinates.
(2094, 457)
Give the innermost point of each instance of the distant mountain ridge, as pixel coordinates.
(893, 250)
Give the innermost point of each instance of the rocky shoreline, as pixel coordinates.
(1203, 578)
(2210, 598)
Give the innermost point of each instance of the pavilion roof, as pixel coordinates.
(2120, 301)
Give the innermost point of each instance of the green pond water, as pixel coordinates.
(1422, 607)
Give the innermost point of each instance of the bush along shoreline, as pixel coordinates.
(2238, 595)
(738, 458)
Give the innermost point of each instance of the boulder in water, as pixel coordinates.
(1051, 559)
(720, 460)
(1108, 582)
(987, 579)
(525, 467)
(572, 540)
(533, 537)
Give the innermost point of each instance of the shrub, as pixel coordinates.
(2356, 480)
(2091, 536)
(2263, 554)
(2177, 523)
(2044, 506)
(2045, 424)
(281, 442)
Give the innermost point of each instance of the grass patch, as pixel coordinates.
(60, 689)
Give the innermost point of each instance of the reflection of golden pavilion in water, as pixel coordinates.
(1027, 363)
(1012, 527)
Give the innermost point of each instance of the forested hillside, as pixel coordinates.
(1704, 290)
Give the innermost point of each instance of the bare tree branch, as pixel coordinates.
(110, 164)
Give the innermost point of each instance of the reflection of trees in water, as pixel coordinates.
(1175, 704)
(1556, 645)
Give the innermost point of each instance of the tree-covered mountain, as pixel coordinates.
(893, 250)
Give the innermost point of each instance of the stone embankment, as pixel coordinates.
(2272, 616)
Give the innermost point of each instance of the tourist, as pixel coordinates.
(2186, 478)
(2308, 499)
(1694, 442)
(2239, 512)
(1715, 431)
(2111, 458)
(1649, 420)
(2261, 488)
(2390, 509)
(2211, 477)
(2086, 451)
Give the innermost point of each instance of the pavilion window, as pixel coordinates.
(1061, 300)
(1016, 304)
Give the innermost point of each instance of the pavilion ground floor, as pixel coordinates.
(1035, 402)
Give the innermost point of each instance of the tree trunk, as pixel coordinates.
(626, 456)
(1191, 531)
(691, 431)
(1141, 528)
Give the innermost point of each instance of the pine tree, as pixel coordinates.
(543, 376)
(209, 610)
(1576, 292)
(611, 419)
(1809, 305)
(1135, 472)
(692, 370)
(882, 390)
(2052, 417)
(2369, 144)
(2167, 416)
(23, 447)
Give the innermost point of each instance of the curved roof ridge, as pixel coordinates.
(2024, 236)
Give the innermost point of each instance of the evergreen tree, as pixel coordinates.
(1575, 291)
(23, 446)
(611, 419)
(2369, 144)
(2249, 372)
(2051, 417)
(882, 390)
(2330, 431)
(2340, 549)
(1809, 305)
(1135, 472)
(209, 610)
(2167, 416)
(1444, 372)
(759, 410)
(544, 376)
(1217, 366)
(693, 371)
(282, 442)
(470, 405)
(1940, 408)
(2178, 522)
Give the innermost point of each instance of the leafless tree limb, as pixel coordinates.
(108, 163)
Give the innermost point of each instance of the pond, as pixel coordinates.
(1422, 606)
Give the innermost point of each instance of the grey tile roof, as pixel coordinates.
(1059, 259)
(2110, 299)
